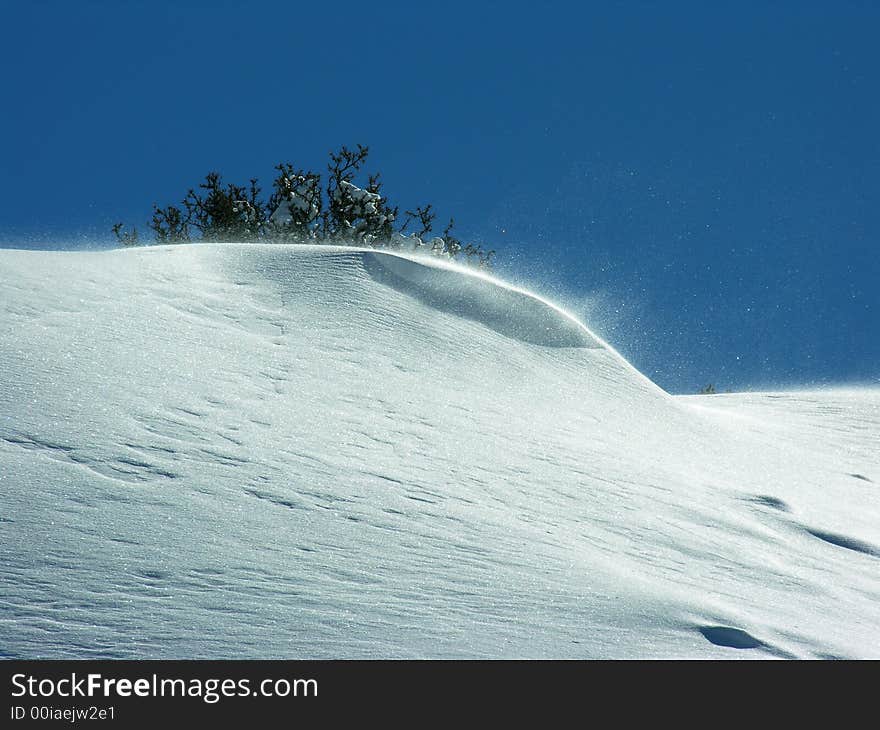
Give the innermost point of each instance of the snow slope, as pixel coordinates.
(275, 451)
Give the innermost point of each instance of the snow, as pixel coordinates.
(309, 451)
(349, 190)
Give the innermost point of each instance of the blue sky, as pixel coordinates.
(700, 182)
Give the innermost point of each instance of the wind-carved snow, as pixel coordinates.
(293, 451)
(511, 312)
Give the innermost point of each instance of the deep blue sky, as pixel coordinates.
(700, 180)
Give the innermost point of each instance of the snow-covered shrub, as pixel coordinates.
(217, 212)
(356, 215)
(296, 204)
(299, 210)
(230, 213)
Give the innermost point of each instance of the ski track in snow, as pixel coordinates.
(314, 452)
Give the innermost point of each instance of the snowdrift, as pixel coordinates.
(289, 451)
(502, 308)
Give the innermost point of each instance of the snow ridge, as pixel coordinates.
(308, 451)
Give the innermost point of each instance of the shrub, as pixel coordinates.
(300, 210)
(126, 238)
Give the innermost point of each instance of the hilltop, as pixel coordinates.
(310, 451)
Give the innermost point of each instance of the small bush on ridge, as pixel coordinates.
(301, 210)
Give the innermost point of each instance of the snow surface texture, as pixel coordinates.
(274, 451)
